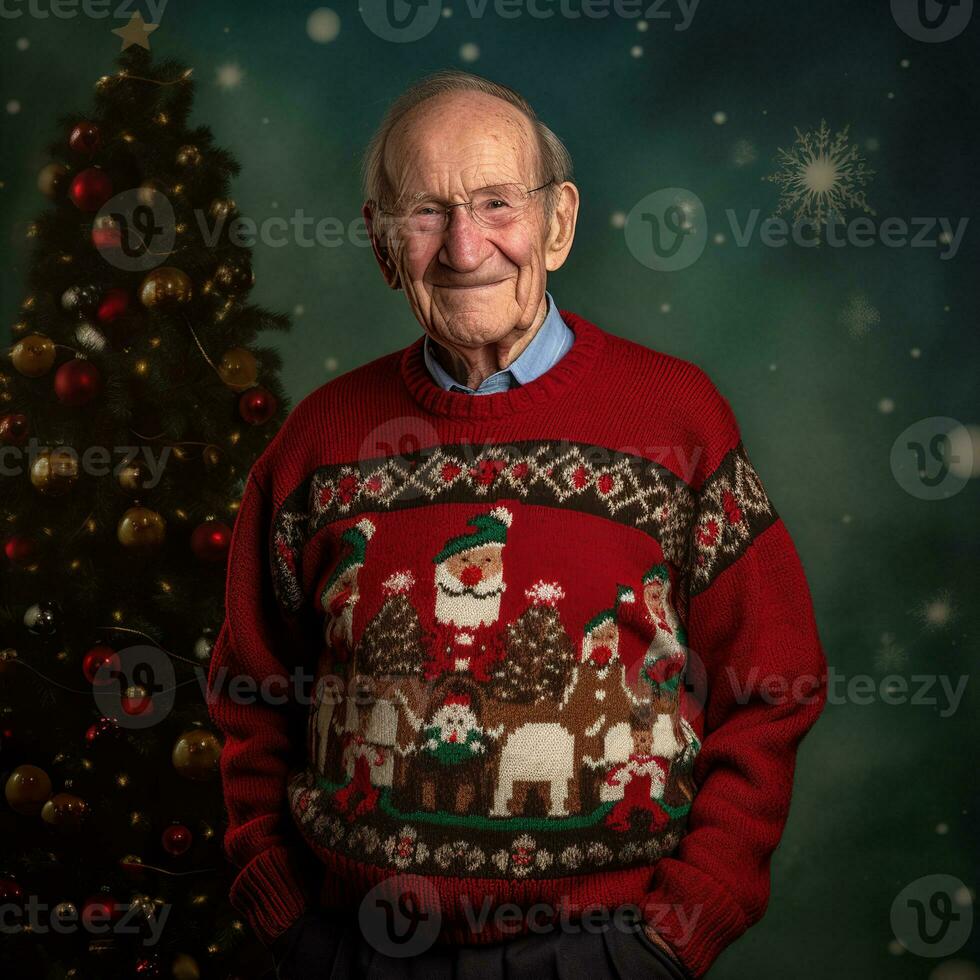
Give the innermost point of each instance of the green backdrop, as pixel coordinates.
(827, 354)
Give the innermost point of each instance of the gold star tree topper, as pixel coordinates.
(137, 31)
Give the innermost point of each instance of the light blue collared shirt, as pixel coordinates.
(547, 347)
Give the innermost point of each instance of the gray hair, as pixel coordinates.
(554, 159)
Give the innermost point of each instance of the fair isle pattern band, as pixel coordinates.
(700, 534)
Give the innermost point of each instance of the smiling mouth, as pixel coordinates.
(479, 285)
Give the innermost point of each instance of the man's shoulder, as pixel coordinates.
(321, 420)
(670, 400)
(685, 386)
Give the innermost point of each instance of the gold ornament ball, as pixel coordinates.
(141, 529)
(33, 355)
(132, 476)
(189, 156)
(196, 754)
(54, 472)
(64, 811)
(239, 368)
(28, 789)
(166, 287)
(235, 275)
(185, 968)
(222, 207)
(52, 180)
(147, 192)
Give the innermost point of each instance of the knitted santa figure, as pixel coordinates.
(469, 579)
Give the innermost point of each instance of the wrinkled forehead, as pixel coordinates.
(453, 144)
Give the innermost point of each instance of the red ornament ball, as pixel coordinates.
(19, 549)
(177, 840)
(14, 429)
(90, 189)
(114, 304)
(85, 138)
(11, 892)
(99, 910)
(210, 541)
(257, 405)
(98, 657)
(77, 382)
(137, 700)
(101, 730)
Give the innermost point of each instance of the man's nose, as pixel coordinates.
(464, 242)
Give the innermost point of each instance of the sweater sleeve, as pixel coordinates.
(751, 624)
(257, 714)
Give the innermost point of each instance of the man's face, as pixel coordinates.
(471, 285)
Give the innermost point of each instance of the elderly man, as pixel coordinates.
(460, 541)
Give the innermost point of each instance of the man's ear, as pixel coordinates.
(561, 231)
(381, 251)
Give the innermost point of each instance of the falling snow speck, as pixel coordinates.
(636, 51)
(905, 62)
(886, 406)
(937, 612)
(744, 153)
(299, 309)
(896, 948)
(859, 316)
(665, 307)
(773, 366)
(13, 107)
(720, 118)
(719, 238)
(323, 25)
(642, 25)
(229, 76)
(330, 363)
(23, 44)
(618, 219)
(469, 51)
(942, 828)
(447, 11)
(915, 353)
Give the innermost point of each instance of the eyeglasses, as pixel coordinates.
(491, 207)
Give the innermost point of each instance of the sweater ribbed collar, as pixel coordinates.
(560, 379)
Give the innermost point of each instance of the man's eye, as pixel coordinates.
(426, 211)
(495, 204)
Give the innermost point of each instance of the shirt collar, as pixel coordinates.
(548, 345)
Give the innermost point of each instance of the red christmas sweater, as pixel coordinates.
(558, 647)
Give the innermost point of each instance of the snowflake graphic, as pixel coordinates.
(820, 176)
(859, 316)
(937, 612)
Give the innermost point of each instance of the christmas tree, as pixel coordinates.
(540, 653)
(134, 402)
(393, 642)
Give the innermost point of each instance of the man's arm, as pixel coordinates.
(754, 630)
(262, 734)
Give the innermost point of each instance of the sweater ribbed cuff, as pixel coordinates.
(693, 913)
(271, 892)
